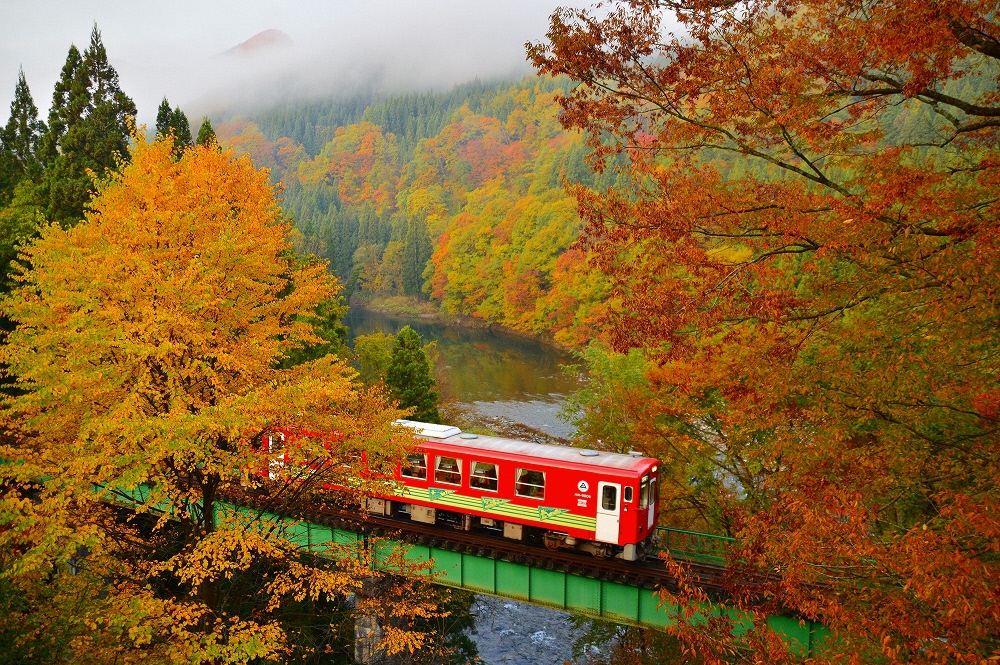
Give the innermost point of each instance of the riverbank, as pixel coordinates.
(506, 384)
(467, 418)
(417, 308)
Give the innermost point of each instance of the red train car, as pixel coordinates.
(599, 502)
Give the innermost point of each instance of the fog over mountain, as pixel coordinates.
(187, 51)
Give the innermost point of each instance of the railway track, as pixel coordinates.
(648, 574)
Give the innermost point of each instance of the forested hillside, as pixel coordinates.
(457, 196)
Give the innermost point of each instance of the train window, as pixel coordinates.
(415, 466)
(530, 484)
(448, 471)
(609, 498)
(628, 495)
(652, 492)
(484, 476)
(644, 493)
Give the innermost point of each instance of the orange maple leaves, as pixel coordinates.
(805, 250)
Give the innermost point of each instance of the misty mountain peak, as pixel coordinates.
(263, 41)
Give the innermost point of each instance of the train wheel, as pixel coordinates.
(552, 541)
(602, 550)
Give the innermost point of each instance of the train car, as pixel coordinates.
(598, 502)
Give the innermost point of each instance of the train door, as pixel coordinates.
(654, 502)
(609, 508)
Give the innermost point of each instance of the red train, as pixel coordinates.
(597, 502)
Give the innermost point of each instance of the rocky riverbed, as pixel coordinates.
(513, 633)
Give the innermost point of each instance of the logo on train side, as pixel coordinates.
(550, 513)
(583, 486)
(490, 503)
(437, 495)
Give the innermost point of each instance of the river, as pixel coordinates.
(486, 372)
(495, 375)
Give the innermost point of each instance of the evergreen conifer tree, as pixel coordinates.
(19, 142)
(88, 130)
(68, 102)
(205, 133)
(163, 118)
(23, 133)
(409, 377)
(182, 127)
(175, 122)
(417, 251)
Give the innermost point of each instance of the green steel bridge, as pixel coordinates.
(611, 590)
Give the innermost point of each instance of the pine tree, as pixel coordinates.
(23, 134)
(68, 103)
(88, 130)
(163, 118)
(205, 133)
(19, 142)
(417, 251)
(409, 377)
(181, 127)
(173, 122)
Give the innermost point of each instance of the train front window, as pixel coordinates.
(415, 466)
(484, 476)
(530, 484)
(628, 494)
(448, 471)
(644, 493)
(609, 498)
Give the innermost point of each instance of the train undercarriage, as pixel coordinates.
(553, 540)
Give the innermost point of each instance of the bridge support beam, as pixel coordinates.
(367, 629)
(367, 633)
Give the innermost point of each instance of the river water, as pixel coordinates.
(487, 372)
(494, 375)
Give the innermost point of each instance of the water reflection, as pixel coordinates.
(494, 373)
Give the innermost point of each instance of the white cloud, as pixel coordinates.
(168, 48)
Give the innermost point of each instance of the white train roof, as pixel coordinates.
(453, 436)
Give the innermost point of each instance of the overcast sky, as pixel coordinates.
(169, 48)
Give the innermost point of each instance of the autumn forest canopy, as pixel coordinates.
(771, 236)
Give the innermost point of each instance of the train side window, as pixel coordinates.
(415, 466)
(530, 484)
(628, 494)
(484, 476)
(644, 493)
(448, 471)
(609, 498)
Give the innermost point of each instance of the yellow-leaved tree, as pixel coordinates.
(150, 355)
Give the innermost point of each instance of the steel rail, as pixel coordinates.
(646, 574)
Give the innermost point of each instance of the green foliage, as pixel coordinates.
(459, 196)
(20, 140)
(205, 133)
(164, 116)
(182, 127)
(68, 103)
(328, 325)
(408, 377)
(173, 122)
(20, 221)
(619, 410)
(603, 411)
(88, 130)
(417, 251)
(40, 621)
(410, 117)
(372, 355)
